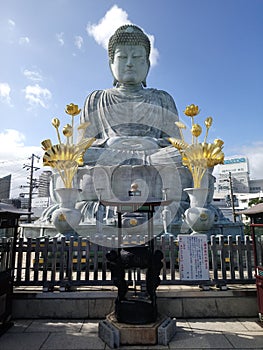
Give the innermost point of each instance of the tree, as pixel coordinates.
(255, 201)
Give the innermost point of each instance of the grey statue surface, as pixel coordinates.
(130, 122)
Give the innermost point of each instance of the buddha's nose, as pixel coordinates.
(129, 62)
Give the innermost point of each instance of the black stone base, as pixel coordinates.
(134, 311)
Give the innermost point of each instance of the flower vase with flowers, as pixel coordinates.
(198, 157)
(64, 158)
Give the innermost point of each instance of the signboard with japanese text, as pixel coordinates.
(40, 202)
(193, 257)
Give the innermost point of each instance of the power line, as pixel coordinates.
(32, 182)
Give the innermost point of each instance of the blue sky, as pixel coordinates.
(207, 52)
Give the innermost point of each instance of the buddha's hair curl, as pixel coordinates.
(128, 34)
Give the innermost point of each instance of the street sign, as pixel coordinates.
(193, 257)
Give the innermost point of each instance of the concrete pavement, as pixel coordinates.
(50, 334)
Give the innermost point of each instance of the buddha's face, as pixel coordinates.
(130, 64)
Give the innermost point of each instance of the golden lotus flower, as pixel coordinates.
(197, 157)
(180, 125)
(191, 110)
(72, 109)
(66, 157)
(56, 122)
(47, 144)
(208, 122)
(67, 130)
(196, 130)
(177, 143)
(218, 142)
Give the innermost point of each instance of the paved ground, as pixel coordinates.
(83, 335)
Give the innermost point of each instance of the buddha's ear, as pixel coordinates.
(144, 80)
(115, 81)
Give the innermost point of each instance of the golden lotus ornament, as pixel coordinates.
(198, 156)
(65, 157)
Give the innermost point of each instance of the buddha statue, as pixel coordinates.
(129, 118)
(131, 124)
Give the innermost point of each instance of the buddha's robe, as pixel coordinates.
(130, 127)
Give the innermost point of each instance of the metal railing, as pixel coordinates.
(52, 262)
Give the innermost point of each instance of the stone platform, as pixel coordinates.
(114, 333)
(172, 301)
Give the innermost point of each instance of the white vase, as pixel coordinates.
(199, 218)
(66, 218)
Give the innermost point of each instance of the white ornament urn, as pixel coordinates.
(199, 218)
(66, 218)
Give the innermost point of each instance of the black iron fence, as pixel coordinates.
(57, 262)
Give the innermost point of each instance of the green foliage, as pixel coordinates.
(255, 201)
(247, 230)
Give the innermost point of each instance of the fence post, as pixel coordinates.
(214, 257)
(240, 257)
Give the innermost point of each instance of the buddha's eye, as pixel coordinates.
(122, 56)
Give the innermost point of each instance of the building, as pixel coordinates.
(44, 183)
(235, 173)
(256, 186)
(5, 185)
(235, 168)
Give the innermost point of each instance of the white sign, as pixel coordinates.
(193, 257)
(40, 202)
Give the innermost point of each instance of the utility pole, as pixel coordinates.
(232, 197)
(32, 168)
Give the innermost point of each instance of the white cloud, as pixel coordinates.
(154, 55)
(11, 23)
(78, 41)
(24, 40)
(5, 93)
(10, 139)
(254, 153)
(14, 154)
(32, 75)
(112, 20)
(60, 39)
(37, 96)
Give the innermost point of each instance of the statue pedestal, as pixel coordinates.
(114, 333)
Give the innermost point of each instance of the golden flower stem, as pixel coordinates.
(59, 139)
(62, 177)
(72, 124)
(206, 134)
(198, 174)
(69, 177)
(192, 121)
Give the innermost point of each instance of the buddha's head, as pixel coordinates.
(129, 50)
